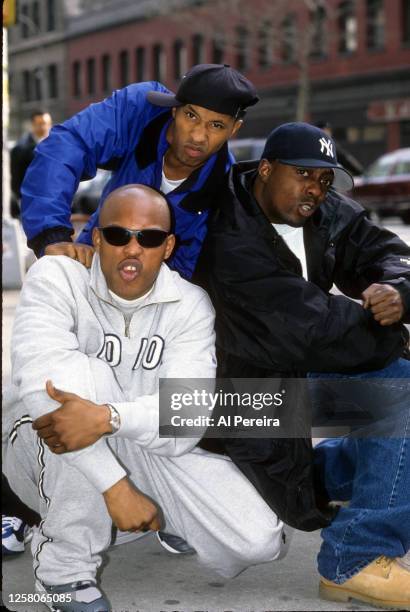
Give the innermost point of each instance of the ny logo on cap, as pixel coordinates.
(327, 144)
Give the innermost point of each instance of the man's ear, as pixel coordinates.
(96, 239)
(264, 169)
(236, 127)
(169, 246)
(173, 111)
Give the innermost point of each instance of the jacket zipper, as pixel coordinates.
(126, 324)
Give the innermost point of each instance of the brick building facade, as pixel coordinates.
(346, 62)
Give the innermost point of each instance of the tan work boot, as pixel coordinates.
(384, 583)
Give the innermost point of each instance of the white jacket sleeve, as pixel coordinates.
(45, 346)
(189, 354)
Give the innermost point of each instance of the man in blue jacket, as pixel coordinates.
(145, 134)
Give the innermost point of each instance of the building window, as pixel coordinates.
(242, 52)
(124, 68)
(35, 8)
(375, 24)
(179, 60)
(91, 76)
(265, 50)
(197, 49)
(318, 40)
(106, 73)
(218, 49)
(347, 27)
(51, 15)
(26, 86)
(353, 134)
(140, 64)
(77, 79)
(374, 133)
(38, 83)
(24, 20)
(158, 62)
(52, 81)
(289, 34)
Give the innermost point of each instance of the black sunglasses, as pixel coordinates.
(120, 236)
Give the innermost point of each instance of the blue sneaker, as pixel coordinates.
(174, 544)
(14, 534)
(81, 596)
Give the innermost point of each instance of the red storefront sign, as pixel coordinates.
(389, 110)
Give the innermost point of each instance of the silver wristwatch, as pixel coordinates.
(115, 420)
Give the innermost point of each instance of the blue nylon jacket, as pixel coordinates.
(126, 134)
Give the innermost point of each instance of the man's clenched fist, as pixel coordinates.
(129, 509)
(385, 302)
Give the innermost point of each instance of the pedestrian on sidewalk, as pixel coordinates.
(22, 154)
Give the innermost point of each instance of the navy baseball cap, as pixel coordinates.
(217, 87)
(305, 145)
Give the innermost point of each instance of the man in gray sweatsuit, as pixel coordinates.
(105, 337)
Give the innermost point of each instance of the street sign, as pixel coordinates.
(9, 13)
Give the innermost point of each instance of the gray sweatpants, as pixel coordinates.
(204, 499)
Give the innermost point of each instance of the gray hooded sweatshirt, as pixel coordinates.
(68, 329)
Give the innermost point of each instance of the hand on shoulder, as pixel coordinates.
(80, 252)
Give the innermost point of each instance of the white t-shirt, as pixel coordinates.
(128, 307)
(167, 184)
(293, 236)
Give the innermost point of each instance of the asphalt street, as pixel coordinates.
(141, 576)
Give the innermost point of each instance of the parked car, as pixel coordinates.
(384, 188)
(246, 148)
(89, 192)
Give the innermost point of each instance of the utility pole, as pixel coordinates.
(14, 250)
(6, 191)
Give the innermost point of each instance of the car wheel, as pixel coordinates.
(405, 216)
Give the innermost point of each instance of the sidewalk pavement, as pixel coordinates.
(142, 577)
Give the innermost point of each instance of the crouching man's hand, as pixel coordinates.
(385, 302)
(76, 424)
(129, 509)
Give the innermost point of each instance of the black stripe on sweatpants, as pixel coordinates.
(24, 419)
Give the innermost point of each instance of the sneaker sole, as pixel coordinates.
(40, 589)
(73, 604)
(10, 553)
(172, 550)
(337, 593)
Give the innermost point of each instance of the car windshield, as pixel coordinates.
(402, 167)
(243, 152)
(389, 166)
(380, 168)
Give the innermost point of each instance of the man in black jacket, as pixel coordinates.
(22, 154)
(281, 237)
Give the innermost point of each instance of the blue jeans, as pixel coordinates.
(370, 468)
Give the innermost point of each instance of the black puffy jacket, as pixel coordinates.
(272, 323)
